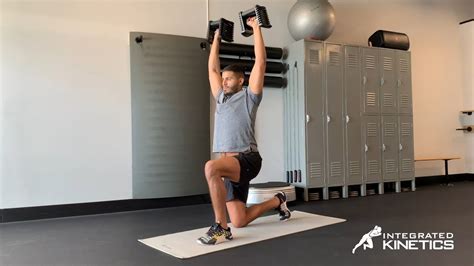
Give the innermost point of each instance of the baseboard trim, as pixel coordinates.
(68, 210)
(439, 179)
(91, 208)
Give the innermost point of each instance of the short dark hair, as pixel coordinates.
(236, 68)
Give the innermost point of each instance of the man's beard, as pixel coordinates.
(227, 95)
(232, 91)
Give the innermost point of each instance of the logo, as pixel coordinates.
(366, 239)
(407, 241)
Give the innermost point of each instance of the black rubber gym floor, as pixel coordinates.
(111, 239)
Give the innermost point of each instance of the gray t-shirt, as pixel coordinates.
(234, 121)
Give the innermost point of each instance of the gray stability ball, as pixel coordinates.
(313, 19)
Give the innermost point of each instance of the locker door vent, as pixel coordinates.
(315, 170)
(404, 101)
(388, 100)
(407, 165)
(370, 62)
(371, 129)
(389, 129)
(314, 57)
(354, 168)
(388, 63)
(403, 65)
(334, 58)
(373, 167)
(390, 166)
(336, 169)
(351, 61)
(371, 98)
(405, 129)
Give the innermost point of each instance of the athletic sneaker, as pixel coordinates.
(215, 235)
(282, 209)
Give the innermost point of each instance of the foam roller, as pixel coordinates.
(271, 67)
(270, 81)
(248, 50)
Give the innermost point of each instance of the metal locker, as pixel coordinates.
(334, 114)
(388, 82)
(315, 104)
(370, 80)
(353, 122)
(404, 82)
(390, 147)
(372, 149)
(407, 168)
(342, 117)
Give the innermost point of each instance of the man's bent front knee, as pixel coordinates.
(210, 169)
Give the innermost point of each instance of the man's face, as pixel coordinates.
(231, 82)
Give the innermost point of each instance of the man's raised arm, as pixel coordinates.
(214, 67)
(258, 71)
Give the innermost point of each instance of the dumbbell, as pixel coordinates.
(226, 29)
(260, 12)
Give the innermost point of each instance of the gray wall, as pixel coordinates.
(65, 121)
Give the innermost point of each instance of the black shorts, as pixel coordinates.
(250, 165)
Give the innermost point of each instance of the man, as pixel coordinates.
(229, 176)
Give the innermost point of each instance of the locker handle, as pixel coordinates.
(328, 118)
(382, 81)
(401, 146)
(364, 80)
(347, 119)
(384, 147)
(307, 118)
(366, 149)
(399, 83)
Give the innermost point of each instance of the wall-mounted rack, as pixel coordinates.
(466, 128)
